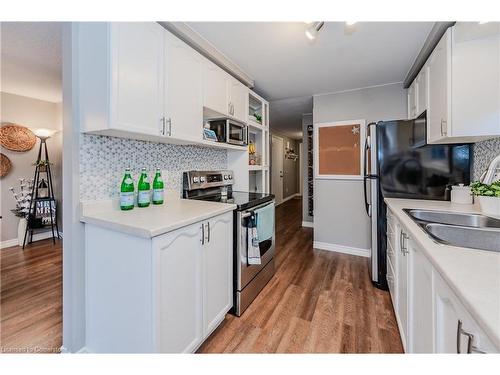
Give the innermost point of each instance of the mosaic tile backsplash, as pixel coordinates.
(103, 160)
(484, 153)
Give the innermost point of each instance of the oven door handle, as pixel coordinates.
(246, 214)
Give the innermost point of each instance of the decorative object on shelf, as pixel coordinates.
(258, 118)
(209, 135)
(5, 165)
(488, 196)
(17, 138)
(251, 148)
(23, 199)
(42, 208)
(290, 153)
(254, 159)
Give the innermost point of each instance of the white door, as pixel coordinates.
(238, 98)
(402, 287)
(277, 168)
(180, 289)
(215, 88)
(439, 81)
(137, 71)
(218, 271)
(183, 85)
(421, 306)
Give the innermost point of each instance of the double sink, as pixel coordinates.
(474, 231)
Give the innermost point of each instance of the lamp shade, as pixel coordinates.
(44, 133)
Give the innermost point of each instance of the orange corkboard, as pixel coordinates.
(339, 150)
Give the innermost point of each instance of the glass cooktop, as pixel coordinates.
(242, 199)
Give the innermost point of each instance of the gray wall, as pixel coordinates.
(307, 120)
(339, 212)
(290, 167)
(32, 113)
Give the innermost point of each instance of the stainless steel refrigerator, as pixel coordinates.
(400, 164)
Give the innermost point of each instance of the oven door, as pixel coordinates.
(236, 133)
(245, 272)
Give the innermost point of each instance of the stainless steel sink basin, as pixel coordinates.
(452, 218)
(475, 238)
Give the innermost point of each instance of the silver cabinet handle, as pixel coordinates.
(202, 234)
(169, 121)
(470, 340)
(162, 131)
(402, 239)
(208, 227)
(445, 131)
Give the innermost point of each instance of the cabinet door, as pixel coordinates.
(238, 97)
(412, 105)
(453, 325)
(184, 103)
(218, 271)
(180, 290)
(421, 306)
(421, 87)
(215, 88)
(439, 81)
(137, 96)
(402, 287)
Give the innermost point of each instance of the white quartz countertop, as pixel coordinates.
(150, 221)
(474, 275)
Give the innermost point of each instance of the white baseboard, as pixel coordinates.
(341, 249)
(308, 224)
(36, 237)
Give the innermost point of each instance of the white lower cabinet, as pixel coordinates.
(421, 318)
(166, 294)
(430, 317)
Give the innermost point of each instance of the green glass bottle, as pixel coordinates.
(158, 188)
(143, 190)
(127, 192)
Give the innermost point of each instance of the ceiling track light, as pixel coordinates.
(313, 29)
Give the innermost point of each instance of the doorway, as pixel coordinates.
(277, 168)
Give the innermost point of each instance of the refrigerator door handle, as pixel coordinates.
(367, 205)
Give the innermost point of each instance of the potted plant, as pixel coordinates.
(23, 199)
(488, 197)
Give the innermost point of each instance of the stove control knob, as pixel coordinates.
(230, 177)
(225, 177)
(202, 179)
(196, 180)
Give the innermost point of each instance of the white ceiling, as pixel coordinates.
(31, 59)
(285, 64)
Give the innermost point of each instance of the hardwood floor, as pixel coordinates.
(31, 298)
(318, 302)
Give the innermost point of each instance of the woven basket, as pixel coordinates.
(5, 165)
(17, 138)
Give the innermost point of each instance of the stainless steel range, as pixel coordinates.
(217, 186)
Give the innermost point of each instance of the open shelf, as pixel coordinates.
(227, 146)
(255, 108)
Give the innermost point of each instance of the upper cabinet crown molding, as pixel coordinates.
(459, 86)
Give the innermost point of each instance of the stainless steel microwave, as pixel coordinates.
(229, 131)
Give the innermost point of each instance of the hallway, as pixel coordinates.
(318, 302)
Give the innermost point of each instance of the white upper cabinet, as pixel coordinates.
(215, 89)
(238, 100)
(459, 85)
(183, 87)
(412, 101)
(121, 77)
(439, 70)
(476, 80)
(422, 94)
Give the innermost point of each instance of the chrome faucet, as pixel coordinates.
(493, 171)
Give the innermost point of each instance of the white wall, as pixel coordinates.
(32, 113)
(339, 212)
